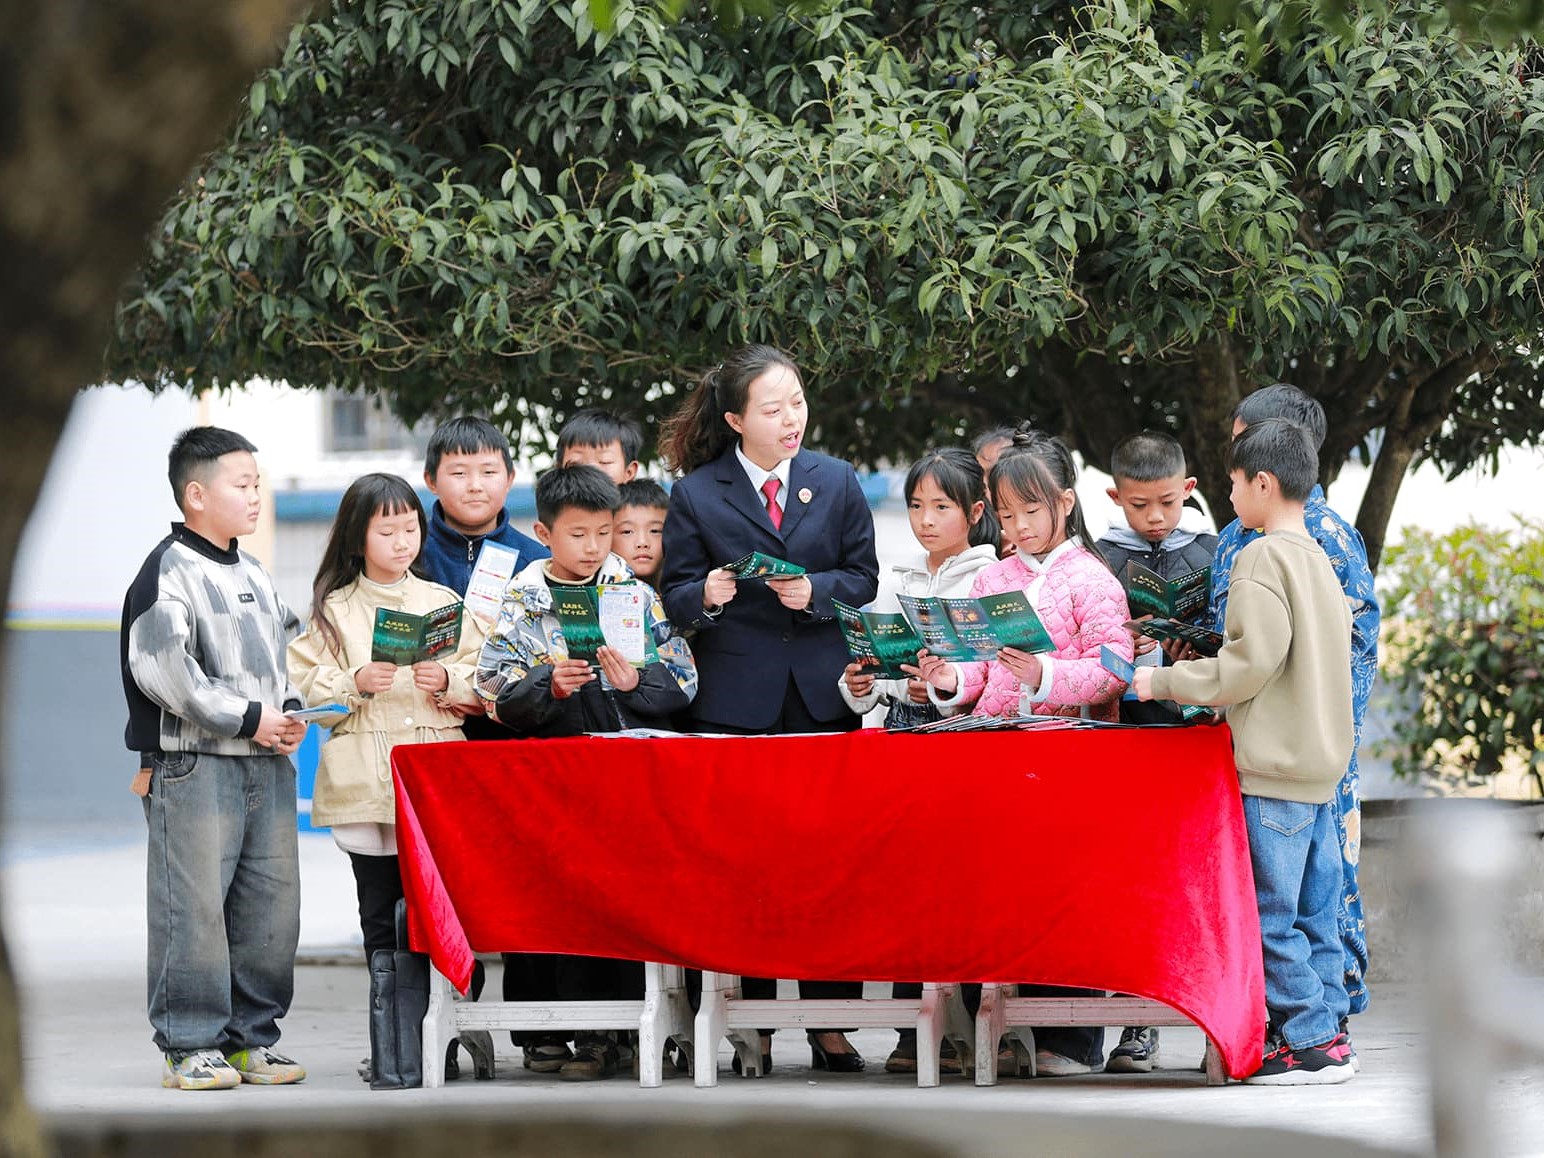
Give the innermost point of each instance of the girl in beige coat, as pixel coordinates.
(370, 562)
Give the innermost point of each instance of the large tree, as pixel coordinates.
(1096, 216)
(105, 108)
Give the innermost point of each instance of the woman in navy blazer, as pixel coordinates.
(769, 652)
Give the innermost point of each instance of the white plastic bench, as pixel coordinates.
(1004, 1014)
(664, 1013)
(937, 1014)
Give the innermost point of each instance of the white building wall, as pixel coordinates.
(106, 500)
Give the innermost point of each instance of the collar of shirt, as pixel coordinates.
(759, 477)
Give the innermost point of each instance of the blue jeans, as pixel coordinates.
(223, 899)
(1298, 878)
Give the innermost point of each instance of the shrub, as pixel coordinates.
(1465, 613)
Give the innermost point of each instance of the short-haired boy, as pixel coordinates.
(1284, 677)
(203, 651)
(531, 686)
(639, 532)
(1150, 489)
(599, 438)
(1347, 554)
(469, 470)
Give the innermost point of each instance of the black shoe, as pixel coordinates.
(766, 1057)
(903, 1058)
(1137, 1052)
(478, 1044)
(594, 1058)
(1345, 1032)
(1317, 1065)
(849, 1061)
(545, 1054)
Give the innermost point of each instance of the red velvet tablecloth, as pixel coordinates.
(1114, 859)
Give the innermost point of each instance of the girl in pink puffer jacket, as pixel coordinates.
(1057, 566)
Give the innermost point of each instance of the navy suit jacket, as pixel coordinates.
(746, 654)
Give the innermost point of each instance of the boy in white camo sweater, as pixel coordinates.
(203, 652)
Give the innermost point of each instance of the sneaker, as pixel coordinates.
(1356, 1062)
(265, 1067)
(594, 1058)
(198, 1069)
(1137, 1052)
(903, 1058)
(1055, 1065)
(547, 1057)
(1315, 1065)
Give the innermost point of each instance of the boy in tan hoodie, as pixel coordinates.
(1283, 676)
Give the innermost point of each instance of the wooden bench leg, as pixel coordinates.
(930, 1034)
(653, 1026)
(959, 1028)
(711, 1025)
(990, 1023)
(439, 1028)
(941, 1018)
(1216, 1075)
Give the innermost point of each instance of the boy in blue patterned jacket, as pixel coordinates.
(531, 686)
(1348, 556)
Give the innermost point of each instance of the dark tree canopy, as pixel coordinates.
(1095, 216)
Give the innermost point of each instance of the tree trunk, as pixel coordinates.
(1418, 408)
(1388, 472)
(1218, 388)
(106, 107)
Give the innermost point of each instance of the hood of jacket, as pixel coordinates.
(955, 571)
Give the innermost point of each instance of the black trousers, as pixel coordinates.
(795, 717)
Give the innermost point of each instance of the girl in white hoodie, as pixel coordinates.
(946, 503)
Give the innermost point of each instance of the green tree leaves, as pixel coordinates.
(1092, 215)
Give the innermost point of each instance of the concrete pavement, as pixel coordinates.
(74, 923)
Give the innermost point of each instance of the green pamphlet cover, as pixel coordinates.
(1183, 597)
(879, 640)
(976, 629)
(759, 566)
(402, 638)
(1206, 642)
(611, 614)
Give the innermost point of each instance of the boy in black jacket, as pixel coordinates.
(532, 687)
(1150, 489)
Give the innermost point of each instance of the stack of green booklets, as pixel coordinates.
(953, 629)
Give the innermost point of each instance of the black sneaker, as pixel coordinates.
(594, 1058)
(1137, 1052)
(1315, 1065)
(1356, 1062)
(903, 1058)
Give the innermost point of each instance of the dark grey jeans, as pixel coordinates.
(222, 900)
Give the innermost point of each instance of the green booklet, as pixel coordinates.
(614, 615)
(403, 638)
(879, 640)
(759, 566)
(1183, 597)
(971, 629)
(1204, 640)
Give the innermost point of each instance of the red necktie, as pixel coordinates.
(774, 512)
